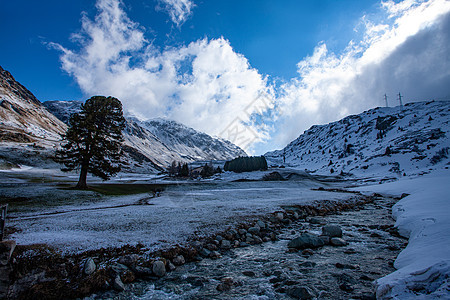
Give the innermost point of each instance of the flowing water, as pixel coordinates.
(271, 271)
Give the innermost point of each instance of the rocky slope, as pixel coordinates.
(23, 119)
(158, 142)
(382, 142)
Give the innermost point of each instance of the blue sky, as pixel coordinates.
(272, 35)
(255, 72)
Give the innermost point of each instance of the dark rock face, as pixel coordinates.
(306, 240)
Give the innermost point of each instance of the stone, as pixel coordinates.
(332, 231)
(178, 260)
(6, 250)
(159, 269)
(171, 266)
(219, 238)
(306, 240)
(118, 284)
(257, 240)
(243, 244)
(225, 244)
(307, 252)
(314, 220)
(142, 271)
(279, 216)
(325, 239)
(300, 292)
(261, 224)
(254, 230)
(338, 242)
(307, 264)
(215, 255)
(266, 239)
(197, 245)
(249, 273)
(211, 247)
(236, 244)
(242, 231)
(89, 266)
(205, 252)
(295, 215)
(226, 284)
(129, 260)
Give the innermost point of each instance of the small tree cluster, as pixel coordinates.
(178, 169)
(246, 164)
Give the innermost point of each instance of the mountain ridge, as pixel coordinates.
(393, 141)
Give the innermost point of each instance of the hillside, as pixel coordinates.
(407, 141)
(23, 119)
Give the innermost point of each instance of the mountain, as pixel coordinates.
(382, 142)
(23, 119)
(158, 142)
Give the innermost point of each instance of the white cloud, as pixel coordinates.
(178, 10)
(208, 86)
(205, 85)
(406, 52)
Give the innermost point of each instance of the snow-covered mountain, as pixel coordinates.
(382, 142)
(158, 142)
(23, 119)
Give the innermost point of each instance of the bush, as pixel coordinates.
(246, 164)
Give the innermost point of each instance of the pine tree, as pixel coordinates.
(92, 143)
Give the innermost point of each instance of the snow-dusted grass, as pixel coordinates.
(90, 221)
(424, 217)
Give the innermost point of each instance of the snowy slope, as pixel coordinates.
(158, 142)
(23, 119)
(417, 136)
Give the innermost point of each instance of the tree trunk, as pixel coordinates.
(82, 181)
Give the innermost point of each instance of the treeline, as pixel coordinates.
(246, 164)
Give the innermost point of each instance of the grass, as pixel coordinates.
(120, 189)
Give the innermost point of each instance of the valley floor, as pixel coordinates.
(44, 212)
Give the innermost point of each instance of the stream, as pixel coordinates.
(272, 271)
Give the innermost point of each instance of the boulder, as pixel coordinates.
(179, 260)
(225, 244)
(332, 231)
(254, 230)
(205, 252)
(306, 240)
(159, 269)
(129, 260)
(300, 292)
(261, 224)
(279, 216)
(118, 284)
(335, 241)
(89, 266)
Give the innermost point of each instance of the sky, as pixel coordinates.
(255, 72)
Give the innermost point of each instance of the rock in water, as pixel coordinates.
(338, 242)
(159, 269)
(89, 266)
(300, 292)
(306, 240)
(332, 231)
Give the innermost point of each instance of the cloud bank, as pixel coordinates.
(208, 86)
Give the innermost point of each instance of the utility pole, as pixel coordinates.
(400, 99)
(385, 99)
